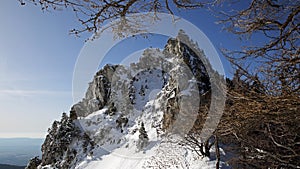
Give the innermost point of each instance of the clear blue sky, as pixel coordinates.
(37, 58)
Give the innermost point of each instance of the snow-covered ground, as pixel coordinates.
(116, 145)
(139, 96)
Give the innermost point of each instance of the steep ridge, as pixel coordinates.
(134, 116)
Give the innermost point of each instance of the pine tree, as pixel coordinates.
(33, 163)
(143, 138)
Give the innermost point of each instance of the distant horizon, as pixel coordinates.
(22, 138)
(23, 135)
(12, 165)
(18, 151)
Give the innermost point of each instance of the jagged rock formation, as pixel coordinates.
(131, 107)
(97, 94)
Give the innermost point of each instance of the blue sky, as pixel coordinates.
(37, 59)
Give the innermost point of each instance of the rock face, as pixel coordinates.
(124, 103)
(97, 94)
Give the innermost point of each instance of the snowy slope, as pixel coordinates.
(122, 100)
(118, 148)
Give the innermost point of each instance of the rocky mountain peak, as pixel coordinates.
(126, 103)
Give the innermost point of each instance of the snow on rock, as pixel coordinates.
(123, 99)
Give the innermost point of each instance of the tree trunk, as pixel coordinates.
(217, 152)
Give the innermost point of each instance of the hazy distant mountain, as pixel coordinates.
(5, 166)
(18, 151)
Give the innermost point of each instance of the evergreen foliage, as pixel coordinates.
(143, 137)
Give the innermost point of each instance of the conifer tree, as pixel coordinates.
(143, 137)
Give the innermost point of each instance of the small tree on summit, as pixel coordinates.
(143, 138)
